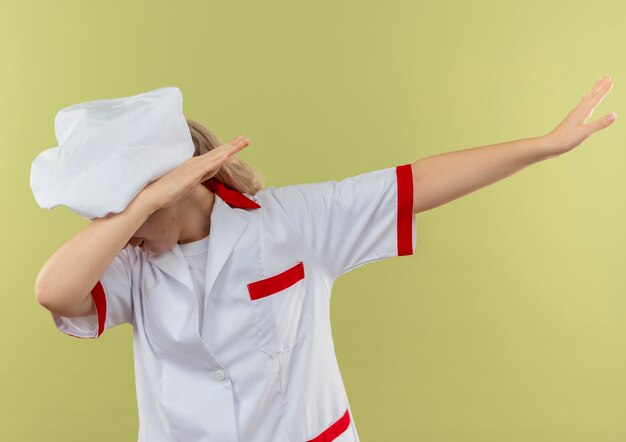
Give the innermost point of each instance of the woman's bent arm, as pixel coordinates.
(65, 281)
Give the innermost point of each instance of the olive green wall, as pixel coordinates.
(508, 323)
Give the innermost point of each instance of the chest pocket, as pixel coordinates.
(281, 309)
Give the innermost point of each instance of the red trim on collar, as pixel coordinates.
(232, 197)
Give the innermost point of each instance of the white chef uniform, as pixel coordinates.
(263, 367)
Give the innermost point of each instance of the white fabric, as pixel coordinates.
(116, 282)
(109, 150)
(195, 253)
(266, 370)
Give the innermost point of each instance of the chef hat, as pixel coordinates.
(109, 150)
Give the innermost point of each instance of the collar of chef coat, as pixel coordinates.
(229, 226)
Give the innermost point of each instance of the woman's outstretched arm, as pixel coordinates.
(442, 178)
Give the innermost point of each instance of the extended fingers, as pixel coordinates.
(235, 145)
(594, 97)
(242, 141)
(228, 149)
(210, 162)
(601, 123)
(600, 89)
(597, 85)
(220, 154)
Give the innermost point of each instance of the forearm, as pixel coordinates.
(442, 178)
(70, 274)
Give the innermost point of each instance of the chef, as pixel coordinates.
(242, 351)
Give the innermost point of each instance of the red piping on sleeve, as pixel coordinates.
(332, 432)
(404, 181)
(100, 300)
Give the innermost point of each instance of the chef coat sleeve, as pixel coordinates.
(112, 299)
(359, 219)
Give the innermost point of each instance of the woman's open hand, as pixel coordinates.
(177, 183)
(572, 130)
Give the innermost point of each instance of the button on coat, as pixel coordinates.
(219, 375)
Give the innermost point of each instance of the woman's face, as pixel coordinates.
(160, 232)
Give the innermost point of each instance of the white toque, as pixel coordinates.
(109, 150)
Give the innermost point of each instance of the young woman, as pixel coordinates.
(227, 283)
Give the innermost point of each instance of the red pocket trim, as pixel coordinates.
(276, 283)
(332, 432)
(405, 215)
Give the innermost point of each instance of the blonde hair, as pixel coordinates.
(235, 172)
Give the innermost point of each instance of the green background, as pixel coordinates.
(508, 322)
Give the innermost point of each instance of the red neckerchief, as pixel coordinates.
(231, 197)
